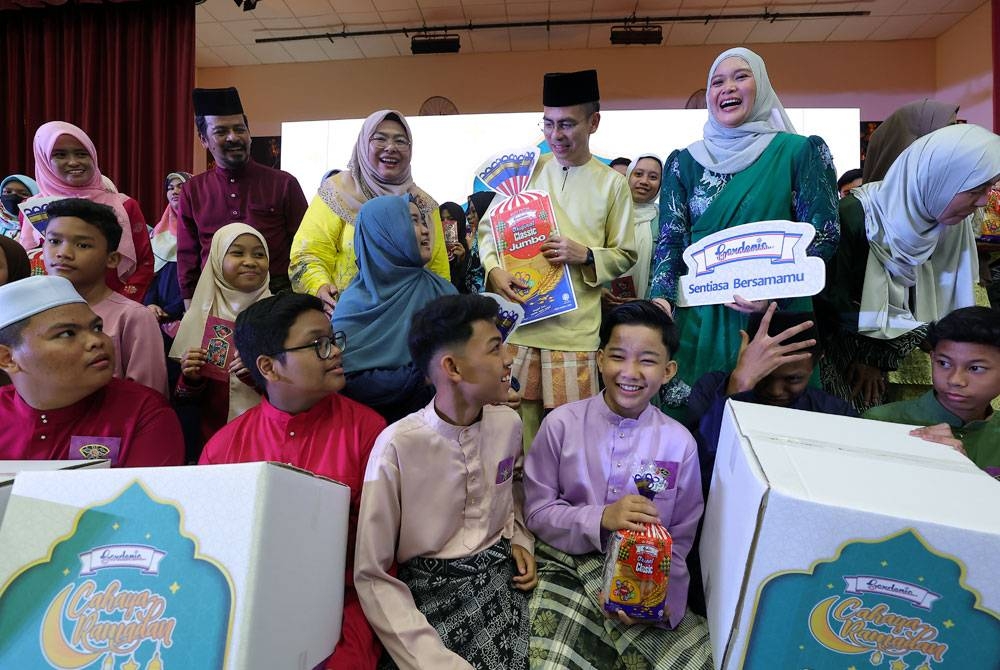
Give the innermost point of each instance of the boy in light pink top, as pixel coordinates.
(80, 244)
(439, 501)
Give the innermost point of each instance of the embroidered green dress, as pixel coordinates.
(793, 179)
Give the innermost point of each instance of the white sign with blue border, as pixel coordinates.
(765, 260)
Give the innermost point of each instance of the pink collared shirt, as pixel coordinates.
(134, 423)
(139, 354)
(333, 438)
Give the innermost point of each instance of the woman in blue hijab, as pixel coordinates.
(393, 245)
(14, 190)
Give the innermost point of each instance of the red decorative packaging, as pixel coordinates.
(990, 231)
(218, 341)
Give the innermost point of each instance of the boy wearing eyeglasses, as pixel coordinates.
(288, 346)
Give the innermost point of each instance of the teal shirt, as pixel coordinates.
(981, 439)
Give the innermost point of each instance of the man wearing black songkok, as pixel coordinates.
(237, 189)
(555, 359)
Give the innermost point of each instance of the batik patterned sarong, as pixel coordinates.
(473, 606)
(570, 632)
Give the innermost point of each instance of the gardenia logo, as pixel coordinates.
(775, 246)
(141, 557)
(912, 593)
(722, 252)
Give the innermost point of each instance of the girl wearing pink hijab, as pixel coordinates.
(66, 166)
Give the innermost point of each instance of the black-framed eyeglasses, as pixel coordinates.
(323, 346)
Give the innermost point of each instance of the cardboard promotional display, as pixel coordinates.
(831, 542)
(9, 470)
(765, 260)
(509, 317)
(36, 211)
(223, 566)
(521, 223)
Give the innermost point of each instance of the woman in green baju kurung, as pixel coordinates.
(749, 167)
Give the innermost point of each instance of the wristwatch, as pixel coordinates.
(590, 257)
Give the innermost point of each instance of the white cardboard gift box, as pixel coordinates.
(9, 470)
(838, 542)
(224, 566)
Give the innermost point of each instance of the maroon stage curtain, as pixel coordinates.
(33, 4)
(122, 71)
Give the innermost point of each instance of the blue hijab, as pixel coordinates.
(392, 284)
(10, 225)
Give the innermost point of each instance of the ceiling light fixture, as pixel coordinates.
(632, 33)
(435, 44)
(424, 31)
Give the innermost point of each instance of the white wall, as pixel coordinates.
(447, 150)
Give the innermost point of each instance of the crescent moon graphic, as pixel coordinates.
(54, 646)
(819, 625)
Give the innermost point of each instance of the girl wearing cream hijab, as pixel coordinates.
(643, 175)
(235, 277)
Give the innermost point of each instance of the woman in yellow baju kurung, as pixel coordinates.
(323, 261)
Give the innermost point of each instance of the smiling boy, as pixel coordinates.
(965, 369)
(579, 489)
(440, 501)
(291, 351)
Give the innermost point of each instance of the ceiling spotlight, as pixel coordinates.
(631, 33)
(247, 5)
(435, 44)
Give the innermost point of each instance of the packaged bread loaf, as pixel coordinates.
(637, 567)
